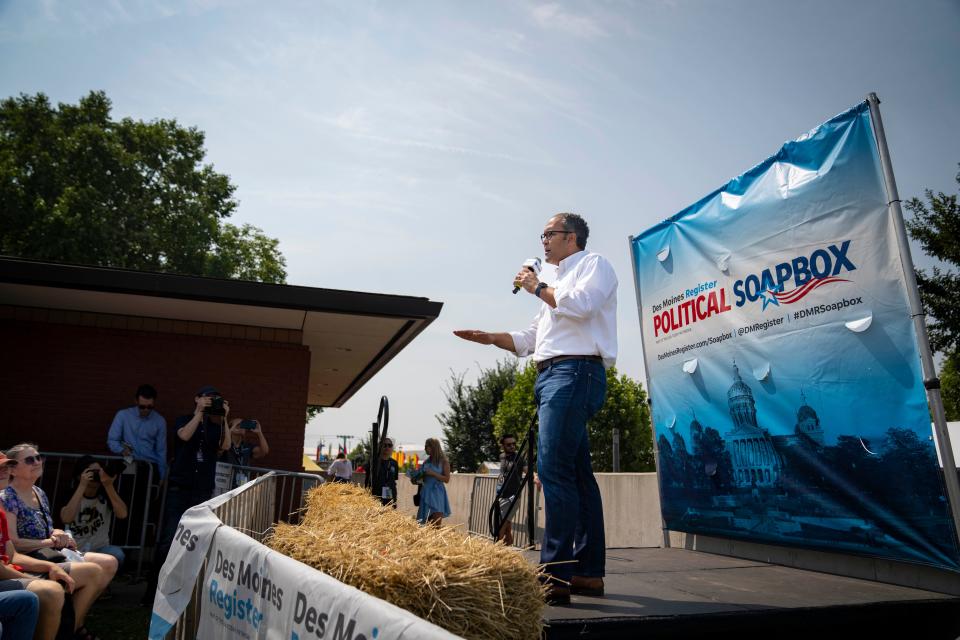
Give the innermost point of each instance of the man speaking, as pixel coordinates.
(573, 339)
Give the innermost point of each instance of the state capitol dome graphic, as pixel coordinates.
(808, 422)
(755, 459)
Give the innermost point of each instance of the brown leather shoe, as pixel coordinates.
(557, 594)
(584, 586)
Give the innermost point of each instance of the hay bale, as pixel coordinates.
(470, 586)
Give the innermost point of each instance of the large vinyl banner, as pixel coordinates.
(788, 402)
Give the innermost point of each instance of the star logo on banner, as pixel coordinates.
(768, 297)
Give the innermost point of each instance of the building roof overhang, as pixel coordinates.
(351, 335)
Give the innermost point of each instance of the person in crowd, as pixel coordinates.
(340, 469)
(241, 450)
(47, 580)
(508, 492)
(29, 517)
(388, 471)
(92, 507)
(573, 339)
(141, 432)
(19, 609)
(201, 437)
(435, 470)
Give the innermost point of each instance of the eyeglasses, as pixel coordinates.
(37, 459)
(387, 446)
(546, 235)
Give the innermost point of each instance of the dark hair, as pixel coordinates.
(507, 435)
(81, 465)
(573, 222)
(146, 391)
(341, 456)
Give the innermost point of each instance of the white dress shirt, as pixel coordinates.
(584, 323)
(342, 468)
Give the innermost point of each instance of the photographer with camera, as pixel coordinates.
(201, 438)
(94, 504)
(241, 450)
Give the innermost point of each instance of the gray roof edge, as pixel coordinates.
(245, 292)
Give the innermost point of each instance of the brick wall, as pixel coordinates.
(64, 375)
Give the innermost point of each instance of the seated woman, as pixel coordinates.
(46, 579)
(28, 513)
(91, 509)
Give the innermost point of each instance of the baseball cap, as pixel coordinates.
(208, 390)
(5, 461)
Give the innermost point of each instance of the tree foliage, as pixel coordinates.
(950, 385)
(358, 455)
(468, 423)
(78, 187)
(625, 408)
(313, 410)
(936, 226)
(518, 407)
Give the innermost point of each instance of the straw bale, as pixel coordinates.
(470, 586)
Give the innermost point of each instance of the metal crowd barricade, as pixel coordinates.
(288, 499)
(58, 473)
(482, 496)
(277, 497)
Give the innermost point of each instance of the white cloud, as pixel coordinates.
(552, 16)
(352, 120)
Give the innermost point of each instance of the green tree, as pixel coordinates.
(77, 186)
(358, 455)
(517, 408)
(950, 385)
(246, 253)
(936, 226)
(625, 408)
(313, 410)
(468, 423)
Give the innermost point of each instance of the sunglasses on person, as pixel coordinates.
(145, 407)
(31, 460)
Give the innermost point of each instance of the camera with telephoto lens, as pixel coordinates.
(215, 408)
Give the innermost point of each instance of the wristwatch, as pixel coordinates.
(540, 287)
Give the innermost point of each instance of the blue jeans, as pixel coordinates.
(19, 609)
(568, 394)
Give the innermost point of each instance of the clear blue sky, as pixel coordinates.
(418, 148)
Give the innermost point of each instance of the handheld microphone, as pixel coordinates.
(534, 265)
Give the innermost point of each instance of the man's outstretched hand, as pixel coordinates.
(474, 335)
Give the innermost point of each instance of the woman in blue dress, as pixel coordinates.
(434, 505)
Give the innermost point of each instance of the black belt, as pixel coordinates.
(545, 364)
